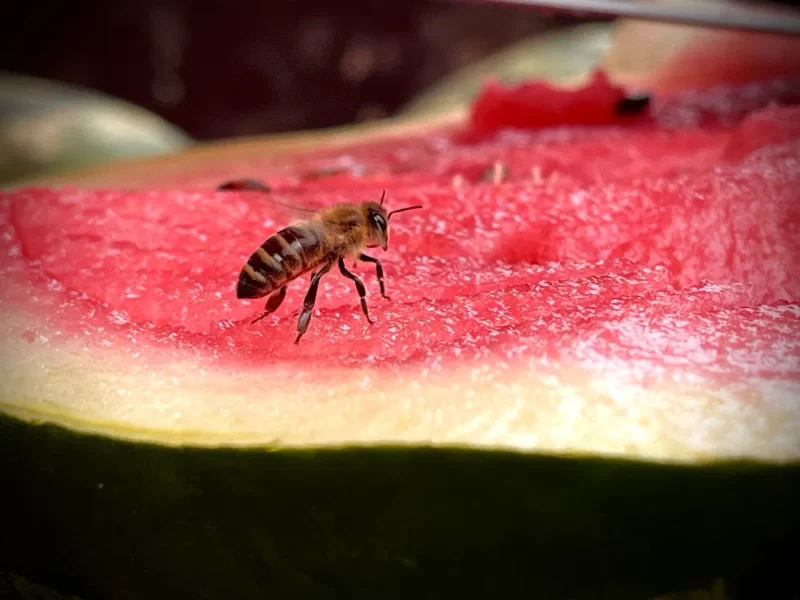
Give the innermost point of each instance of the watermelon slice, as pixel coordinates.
(586, 384)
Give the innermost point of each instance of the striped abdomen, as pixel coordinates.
(285, 255)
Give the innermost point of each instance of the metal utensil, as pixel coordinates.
(704, 14)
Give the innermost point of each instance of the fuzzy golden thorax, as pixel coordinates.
(349, 228)
(352, 227)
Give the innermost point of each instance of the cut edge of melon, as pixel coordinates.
(566, 410)
(654, 56)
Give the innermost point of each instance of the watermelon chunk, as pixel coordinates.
(538, 104)
(627, 290)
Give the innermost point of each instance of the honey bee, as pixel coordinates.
(327, 237)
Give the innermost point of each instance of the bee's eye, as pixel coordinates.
(380, 222)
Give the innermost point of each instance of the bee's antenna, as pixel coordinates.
(383, 195)
(399, 210)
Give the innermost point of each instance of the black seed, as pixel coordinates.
(244, 185)
(633, 104)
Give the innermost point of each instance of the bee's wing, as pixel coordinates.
(293, 208)
(265, 195)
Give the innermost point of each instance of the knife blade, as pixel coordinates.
(706, 14)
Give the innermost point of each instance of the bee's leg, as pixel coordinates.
(309, 300)
(378, 269)
(362, 293)
(273, 302)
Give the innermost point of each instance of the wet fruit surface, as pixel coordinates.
(665, 244)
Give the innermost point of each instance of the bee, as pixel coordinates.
(327, 237)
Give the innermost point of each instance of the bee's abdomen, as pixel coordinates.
(282, 257)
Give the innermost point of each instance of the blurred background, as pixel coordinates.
(200, 71)
(87, 82)
(246, 67)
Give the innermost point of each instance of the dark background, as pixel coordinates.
(246, 67)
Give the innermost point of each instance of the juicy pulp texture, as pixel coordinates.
(630, 288)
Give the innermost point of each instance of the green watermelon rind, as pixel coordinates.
(102, 518)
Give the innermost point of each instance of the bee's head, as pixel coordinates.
(378, 222)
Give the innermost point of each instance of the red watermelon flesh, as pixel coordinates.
(662, 251)
(539, 104)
